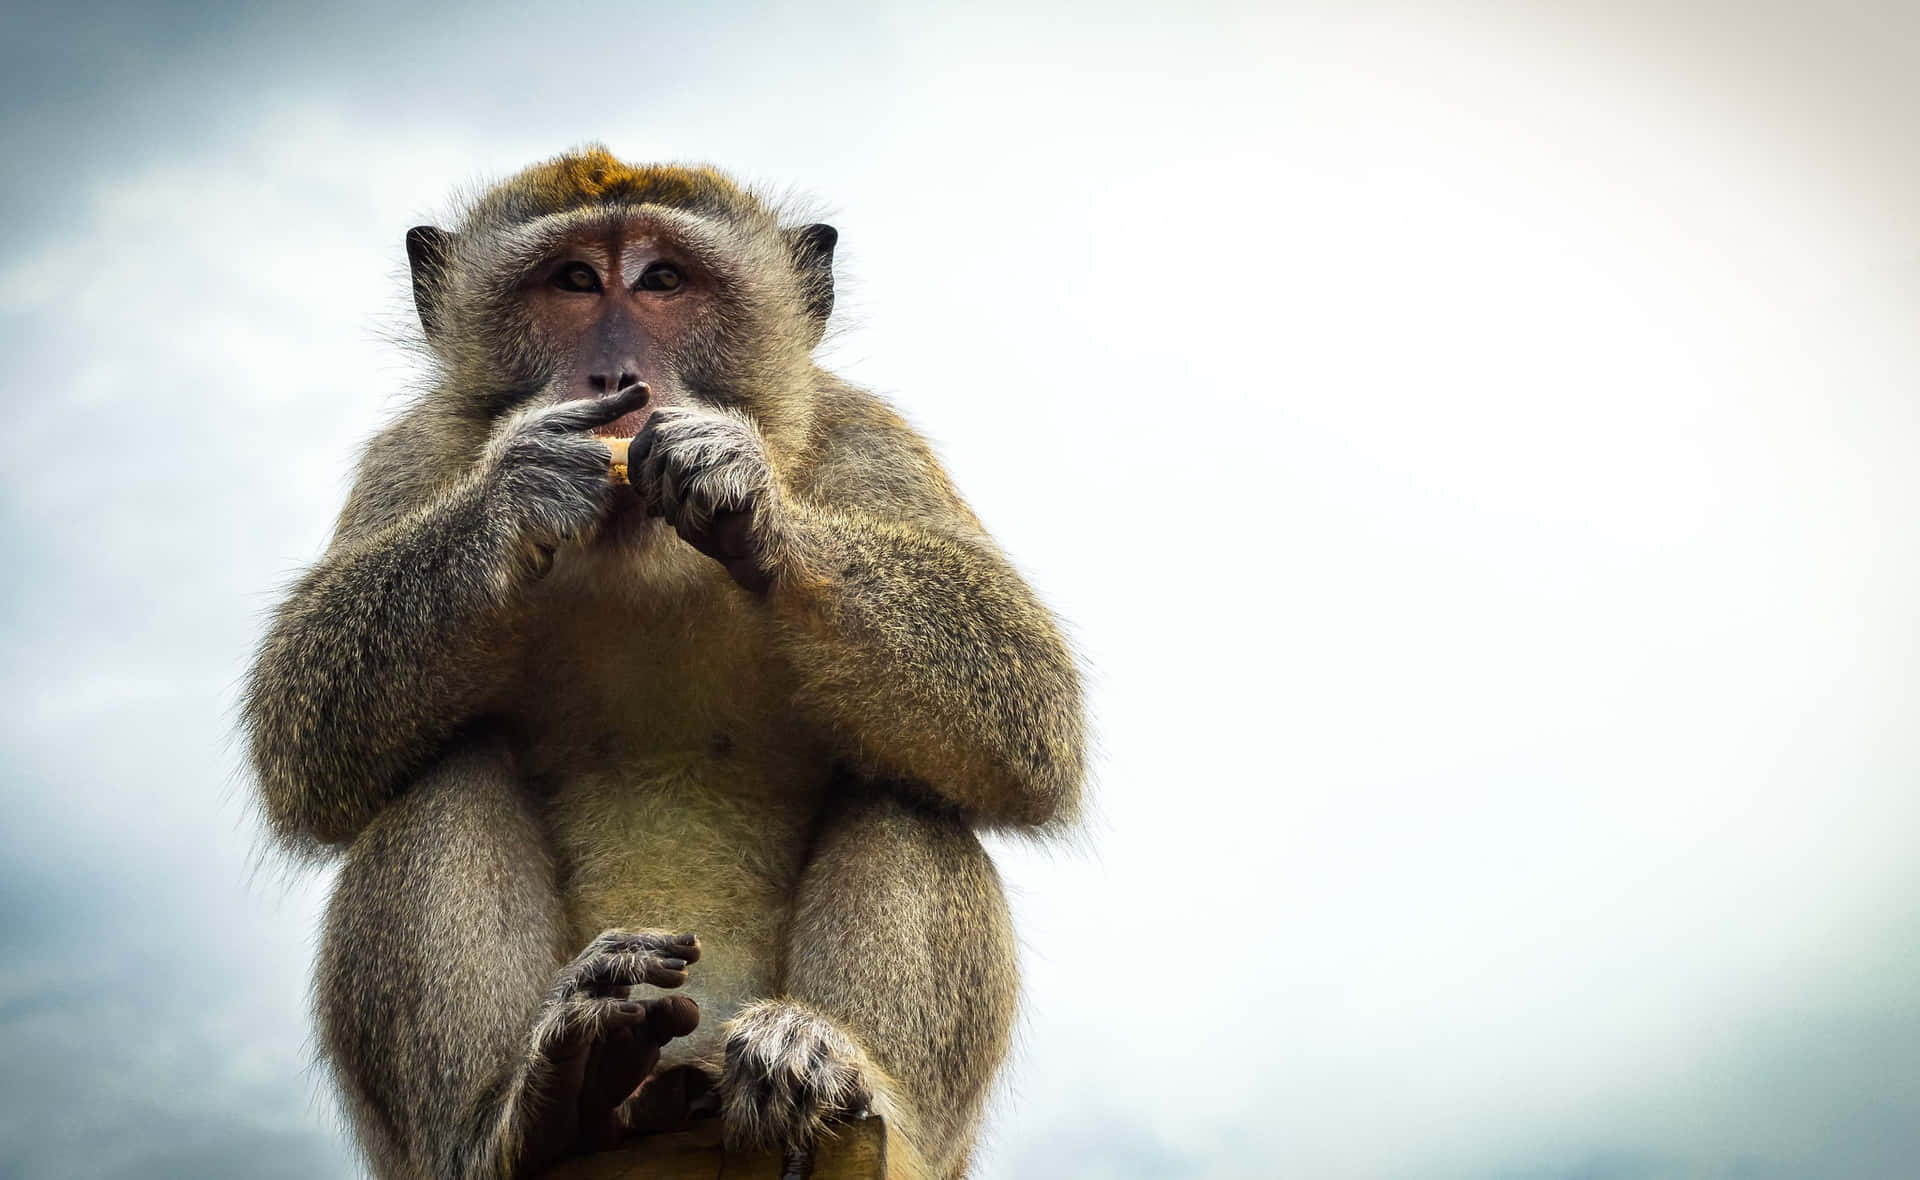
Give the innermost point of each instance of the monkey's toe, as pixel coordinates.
(594, 1054)
(672, 1016)
(619, 959)
(617, 1066)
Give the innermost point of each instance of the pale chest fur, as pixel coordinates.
(681, 788)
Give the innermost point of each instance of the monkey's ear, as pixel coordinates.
(812, 247)
(429, 250)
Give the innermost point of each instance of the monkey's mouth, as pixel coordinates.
(626, 425)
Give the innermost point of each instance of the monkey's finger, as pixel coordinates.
(657, 941)
(572, 1027)
(640, 468)
(621, 1062)
(540, 560)
(587, 414)
(616, 942)
(606, 972)
(643, 443)
(731, 534)
(671, 1016)
(595, 1018)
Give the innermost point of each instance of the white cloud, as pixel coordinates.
(1473, 455)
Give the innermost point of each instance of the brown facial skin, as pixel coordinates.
(618, 307)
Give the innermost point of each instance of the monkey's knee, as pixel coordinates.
(902, 936)
(460, 848)
(454, 869)
(438, 942)
(906, 889)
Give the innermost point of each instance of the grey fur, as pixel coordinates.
(433, 697)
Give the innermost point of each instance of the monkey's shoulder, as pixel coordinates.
(405, 466)
(864, 454)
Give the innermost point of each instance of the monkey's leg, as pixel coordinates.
(465, 1042)
(899, 991)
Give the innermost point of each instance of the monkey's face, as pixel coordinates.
(616, 308)
(585, 276)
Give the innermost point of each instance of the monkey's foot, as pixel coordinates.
(789, 1072)
(593, 1047)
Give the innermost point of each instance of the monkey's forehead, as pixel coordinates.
(723, 245)
(595, 177)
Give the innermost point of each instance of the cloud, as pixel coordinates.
(1473, 452)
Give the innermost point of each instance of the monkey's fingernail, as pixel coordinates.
(685, 938)
(674, 964)
(629, 1007)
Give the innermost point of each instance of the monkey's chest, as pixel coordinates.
(681, 788)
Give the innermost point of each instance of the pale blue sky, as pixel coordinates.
(1473, 450)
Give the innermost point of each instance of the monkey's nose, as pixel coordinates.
(604, 384)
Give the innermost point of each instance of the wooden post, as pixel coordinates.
(864, 1150)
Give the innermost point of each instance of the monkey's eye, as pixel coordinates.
(576, 276)
(661, 276)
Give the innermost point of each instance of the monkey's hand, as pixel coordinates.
(592, 1047)
(706, 472)
(548, 475)
(789, 1072)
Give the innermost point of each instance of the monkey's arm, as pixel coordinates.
(916, 643)
(402, 630)
(923, 649)
(377, 654)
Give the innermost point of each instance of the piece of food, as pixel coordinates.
(619, 448)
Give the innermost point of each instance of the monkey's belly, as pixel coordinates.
(658, 722)
(692, 842)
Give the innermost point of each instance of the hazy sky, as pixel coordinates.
(1474, 450)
